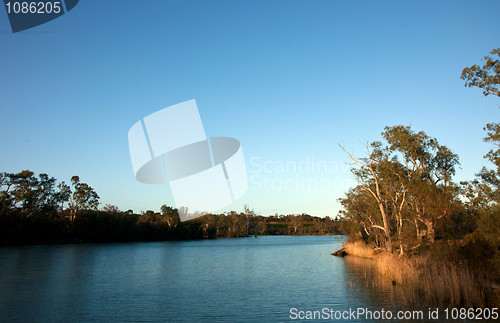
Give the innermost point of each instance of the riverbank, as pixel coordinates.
(112, 225)
(430, 281)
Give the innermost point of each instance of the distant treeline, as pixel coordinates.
(34, 210)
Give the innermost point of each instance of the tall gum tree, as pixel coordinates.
(410, 181)
(82, 198)
(487, 78)
(428, 168)
(484, 192)
(368, 180)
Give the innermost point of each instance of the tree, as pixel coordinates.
(250, 214)
(6, 199)
(296, 222)
(24, 192)
(108, 208)
(428, 169)
(171, 214)
(83, 197)
(29, 194)
(483, 193)
(236, 223)
(409, 180)
(368, 180)
(63, 194)
(360, 210)
(486, 77)
(487, 188)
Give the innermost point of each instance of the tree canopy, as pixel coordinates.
(32, 210)
(404, 188)
(486, 77)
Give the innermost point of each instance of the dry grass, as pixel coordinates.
(360, 249)
(433, 281)
(429, 281)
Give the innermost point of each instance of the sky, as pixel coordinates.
(289, 79)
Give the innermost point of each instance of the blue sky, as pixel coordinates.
(289, 79)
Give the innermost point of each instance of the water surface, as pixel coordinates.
(224, 280)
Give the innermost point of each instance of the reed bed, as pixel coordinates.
(433, 281)
(429, 281)
(360, 249)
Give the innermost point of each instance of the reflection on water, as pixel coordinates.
(364, 283)
(223, 280)
(376, 292)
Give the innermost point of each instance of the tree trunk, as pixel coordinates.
(387, 231)
(400, 235)
(419, 235)
(430, 230)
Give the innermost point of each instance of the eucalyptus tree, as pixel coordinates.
(428, 168)
(249, 214)
(393, 181)
(296, 222)
(236, 223)
(486, 77)
(6, 200)
(385, 182)
(28, 193)
(84, 197)
(64, 193)
(171, 215)
(367, 175)
(361, 209)
(409, 179)
(483, 193)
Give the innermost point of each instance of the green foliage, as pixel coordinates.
(83, 197)
(409, 182)
(478, 252)
(351, 228)
(488, 186)
(171, 215)
(486, 77)
(404, 189)
(489, 225)
(27, 193)
(32, 211)
(481, 247)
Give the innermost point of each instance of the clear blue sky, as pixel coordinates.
(289, 79)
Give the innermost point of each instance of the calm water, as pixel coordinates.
(224, 280)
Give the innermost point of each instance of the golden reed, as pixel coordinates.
(429, 281)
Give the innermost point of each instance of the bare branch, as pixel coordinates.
(378, 227)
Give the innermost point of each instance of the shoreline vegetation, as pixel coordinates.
(438, 239)
(427, 280)
(34, 210)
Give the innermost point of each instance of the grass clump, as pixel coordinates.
(360, 249)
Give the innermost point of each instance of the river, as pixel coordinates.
(264, 279)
